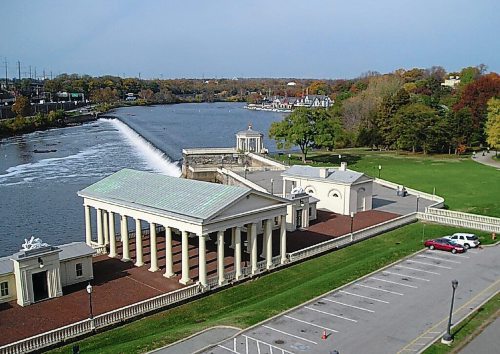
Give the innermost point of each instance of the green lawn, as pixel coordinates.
(256, 300)
(469, 328)
(466, 185)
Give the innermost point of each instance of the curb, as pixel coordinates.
(194, 335)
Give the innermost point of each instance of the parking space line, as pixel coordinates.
(420, 270)
(386, 291)
(289, 334)
(472, 251)
(226, 348)
(330, 314)
(354, 307)
(395, 282)
(365, 297)
(430, 264)
(439, 259)
(310, 324)
(427, 337)
(284, 351)
(404, 275)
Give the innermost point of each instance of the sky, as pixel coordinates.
(246, 38)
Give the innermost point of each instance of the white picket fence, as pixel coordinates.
(457, 220)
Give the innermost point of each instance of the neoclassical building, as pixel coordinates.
(250, 141)
(191, 208)
(338, 190)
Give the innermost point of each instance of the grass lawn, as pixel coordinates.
(469, 328)
(466, 185)
(256, 300)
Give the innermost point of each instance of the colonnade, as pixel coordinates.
(106, 236)
(250, 144)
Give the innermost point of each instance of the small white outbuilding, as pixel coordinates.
(338, 190)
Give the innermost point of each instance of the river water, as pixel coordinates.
(41, 172)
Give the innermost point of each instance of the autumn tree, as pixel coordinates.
(492, 128)
(305, 128)
(21, 108)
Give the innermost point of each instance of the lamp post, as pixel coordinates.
(89, 291)
(352, 224)
(448, 338)
(418, 197)
(340, 158)
(289, 157)
(246, 170)
(272, 186)
(379, 170)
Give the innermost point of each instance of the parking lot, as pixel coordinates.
(398, 309)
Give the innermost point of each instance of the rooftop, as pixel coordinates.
(333, 174)
(178, 196)
(249, 132)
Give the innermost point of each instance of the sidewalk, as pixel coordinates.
(487, 159)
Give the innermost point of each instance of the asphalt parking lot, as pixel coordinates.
(398, 309)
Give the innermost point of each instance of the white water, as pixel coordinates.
(155, 159)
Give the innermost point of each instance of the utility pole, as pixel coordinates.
(30, 72)
(35, 72)
(19, 70)
(6, 73)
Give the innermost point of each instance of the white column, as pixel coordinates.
(124, 236)
(105, 226)
(220, 256)
(153, 248)
(169, 264)
(185, 259)
(88, 228)
(100, 238)
(232, 238)
(284, 187)
(237, 252)
(202, 260)
(112, 235)
(264, 241)
(268, 235)
(283, 239)
(253, 245)
(138, 244)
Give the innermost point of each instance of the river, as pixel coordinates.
(38, 190)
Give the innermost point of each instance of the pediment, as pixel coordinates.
(252, 202)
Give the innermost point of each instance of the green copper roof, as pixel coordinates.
(187, 197)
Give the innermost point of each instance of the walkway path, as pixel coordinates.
(487, 159)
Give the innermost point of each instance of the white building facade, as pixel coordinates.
(338, 190)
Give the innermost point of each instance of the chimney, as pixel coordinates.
(343, 166)
(323, 172)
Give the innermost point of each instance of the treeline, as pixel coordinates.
(22, 125)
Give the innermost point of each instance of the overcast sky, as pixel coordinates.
(254, 38)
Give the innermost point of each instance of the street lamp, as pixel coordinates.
(289, 157)
(448, 338)
(272, 186)
(89, 291)
(379, 169)
(418, 197)
(340, 158)
(352, 224)
(246, 170)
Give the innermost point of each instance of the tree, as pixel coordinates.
(416, 127)
(305, 128)
(21, 107)
(492, 128)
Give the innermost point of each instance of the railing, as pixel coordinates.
(87, 326)
(267, 160)
(464, 216)
(355, 237)
(439, 201)
(454, 221)
(240, 179)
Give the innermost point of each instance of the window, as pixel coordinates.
(4, 288)
(79, 269)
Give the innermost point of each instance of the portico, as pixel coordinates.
(194, 210)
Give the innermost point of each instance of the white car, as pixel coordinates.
(464, 239)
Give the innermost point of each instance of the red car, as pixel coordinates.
(445, 245)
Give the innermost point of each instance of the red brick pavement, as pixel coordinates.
(117, 284)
